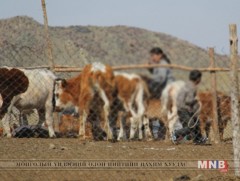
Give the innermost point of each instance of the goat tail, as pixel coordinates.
(145, 88)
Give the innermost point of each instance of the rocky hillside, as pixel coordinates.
(22, 43)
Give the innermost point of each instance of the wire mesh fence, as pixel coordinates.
(223, 99)
(32, 112)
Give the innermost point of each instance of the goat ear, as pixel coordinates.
(64, 83)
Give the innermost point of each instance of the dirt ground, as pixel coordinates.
(74, 149)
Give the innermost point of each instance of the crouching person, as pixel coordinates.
(188, 111)
(161, 77)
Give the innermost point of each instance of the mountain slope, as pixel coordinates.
(22, 42)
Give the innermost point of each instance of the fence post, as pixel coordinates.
(214, 96)
(49, 43)
(235, 97)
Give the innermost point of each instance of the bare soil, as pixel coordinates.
(75, 149)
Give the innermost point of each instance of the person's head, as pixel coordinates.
(195, 76)
(157, 54)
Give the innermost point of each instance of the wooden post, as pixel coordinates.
(214, 96)
(235, 97)
(49, 43)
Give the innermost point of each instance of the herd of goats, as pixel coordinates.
(111, 101)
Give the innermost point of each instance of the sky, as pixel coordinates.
(202, 22)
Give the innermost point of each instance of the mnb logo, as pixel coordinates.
(222, 165)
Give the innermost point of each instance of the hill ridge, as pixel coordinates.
(22, 42)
